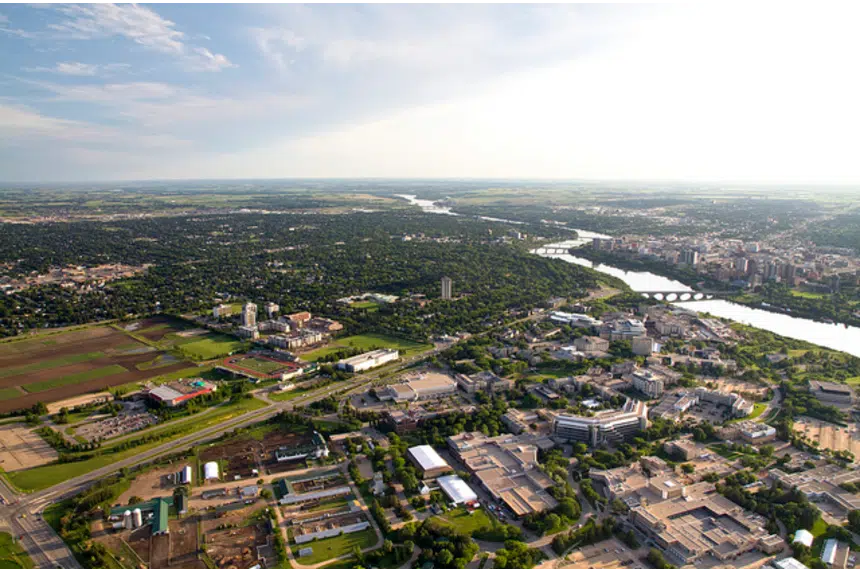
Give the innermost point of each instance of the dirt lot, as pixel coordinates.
(152, 483)
(830, 436)
(235, 547)
(274, 440)
(241, 455)
(21, 448)
(609, 553)
(155, 329)
(108, 347)
(740, 386)
(183, 544)
(73, 402)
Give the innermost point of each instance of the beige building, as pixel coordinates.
(418, 387)
(506, 467)
(699, 523)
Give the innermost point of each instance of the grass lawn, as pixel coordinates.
(758, 409)
(48, 364)
(466, 523)
(366, 342)
(45, 476)
(819, 528)
(211, 346)
(75, 378)
(334, 547)
(365, 304)
(285, 395)
(853, 380)
(724, 451)
(12, 555)
(813, 295)
(10, 393)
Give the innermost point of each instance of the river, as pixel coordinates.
(834, 336)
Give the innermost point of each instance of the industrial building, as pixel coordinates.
(153, 512)
(507, 468)
(314, 448)
(417, 387)
(368, 360)
(428, 461)
(175, 393)
(699, 523)
(609, 426)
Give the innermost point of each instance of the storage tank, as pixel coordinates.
(186, 476)
(127, 520)
(138, 518)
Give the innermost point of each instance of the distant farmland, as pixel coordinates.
(54, 366)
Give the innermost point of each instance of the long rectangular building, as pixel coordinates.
(368, 360)
(610, 426)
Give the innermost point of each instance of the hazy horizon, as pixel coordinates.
(691, 94)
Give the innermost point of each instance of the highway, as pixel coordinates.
(21, 513)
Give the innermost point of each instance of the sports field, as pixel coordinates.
(58, 365)
(211, 346)
(261, 365)
(367, 342)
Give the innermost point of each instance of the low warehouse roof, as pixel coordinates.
(457, 489)
(427, 457)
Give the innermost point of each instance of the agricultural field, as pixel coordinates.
(55, 366)
(367, 342)
(12, 555)
(211, 346)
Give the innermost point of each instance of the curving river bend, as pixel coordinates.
(834, 336)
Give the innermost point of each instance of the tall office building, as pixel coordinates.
(249, 315)
(689, 257)
(447, 287)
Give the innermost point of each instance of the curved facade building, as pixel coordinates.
(609, 426)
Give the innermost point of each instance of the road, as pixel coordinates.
(21, 515)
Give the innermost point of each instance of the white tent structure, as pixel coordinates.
(457, 489)
(803, 537)
(210, 471)
(428, 460)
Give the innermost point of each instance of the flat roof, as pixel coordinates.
(165, 393)
(428, 458)
(457, 489)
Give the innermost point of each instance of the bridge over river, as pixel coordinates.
(684, 295)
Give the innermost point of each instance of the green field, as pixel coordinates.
(335, 547)
(10, 393)
(260, 365)
(48, 364)
(466, 523)
(211, 346)
(365, 305)
(366, 342)
(45, 476)
(12, 555)
(74, 378)
(812, 295)
(758, 409)
(725, 452)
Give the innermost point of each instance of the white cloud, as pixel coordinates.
(138, 24)
(79, 68)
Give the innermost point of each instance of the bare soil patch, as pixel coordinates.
(22, 448)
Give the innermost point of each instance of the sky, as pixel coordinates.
(740, 92)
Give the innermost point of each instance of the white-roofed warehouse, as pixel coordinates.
(210, 471)
(457, 489)
(428, 461)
